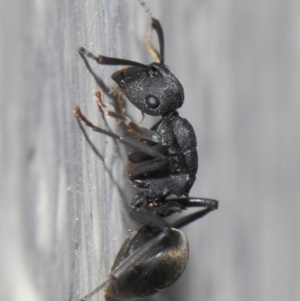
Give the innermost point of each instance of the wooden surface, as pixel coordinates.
(63, 209)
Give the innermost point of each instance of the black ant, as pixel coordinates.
(165, 165)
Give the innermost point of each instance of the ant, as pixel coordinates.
(165, 165)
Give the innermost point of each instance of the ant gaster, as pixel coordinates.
(165, 165)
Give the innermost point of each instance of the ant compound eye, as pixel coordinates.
(152, 101)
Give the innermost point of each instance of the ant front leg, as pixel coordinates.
(133, 128)
(131, 142)
(117, 91)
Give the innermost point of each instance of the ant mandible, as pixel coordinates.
(165, 165)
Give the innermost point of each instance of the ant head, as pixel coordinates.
(153, 88)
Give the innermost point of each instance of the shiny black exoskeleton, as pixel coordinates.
(165, 166)
(158, 270)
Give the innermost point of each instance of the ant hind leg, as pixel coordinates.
(141, 214)
(209, 205)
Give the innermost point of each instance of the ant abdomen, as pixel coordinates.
(162, 266)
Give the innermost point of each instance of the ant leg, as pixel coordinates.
(149, 247)
(131, 142)
(210, 205)
(145, 168)
(132, 128)
(197, 202)
(117, 91)
(135, 156)
(121, 104)
(139, 210)
(190, 218)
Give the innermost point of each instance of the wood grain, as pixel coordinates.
(63, 208)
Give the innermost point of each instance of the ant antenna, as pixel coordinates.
(147, 9)
(157, 27)
(105, 60)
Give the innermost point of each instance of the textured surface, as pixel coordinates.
(61, 208)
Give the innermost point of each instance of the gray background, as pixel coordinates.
(62, 208)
